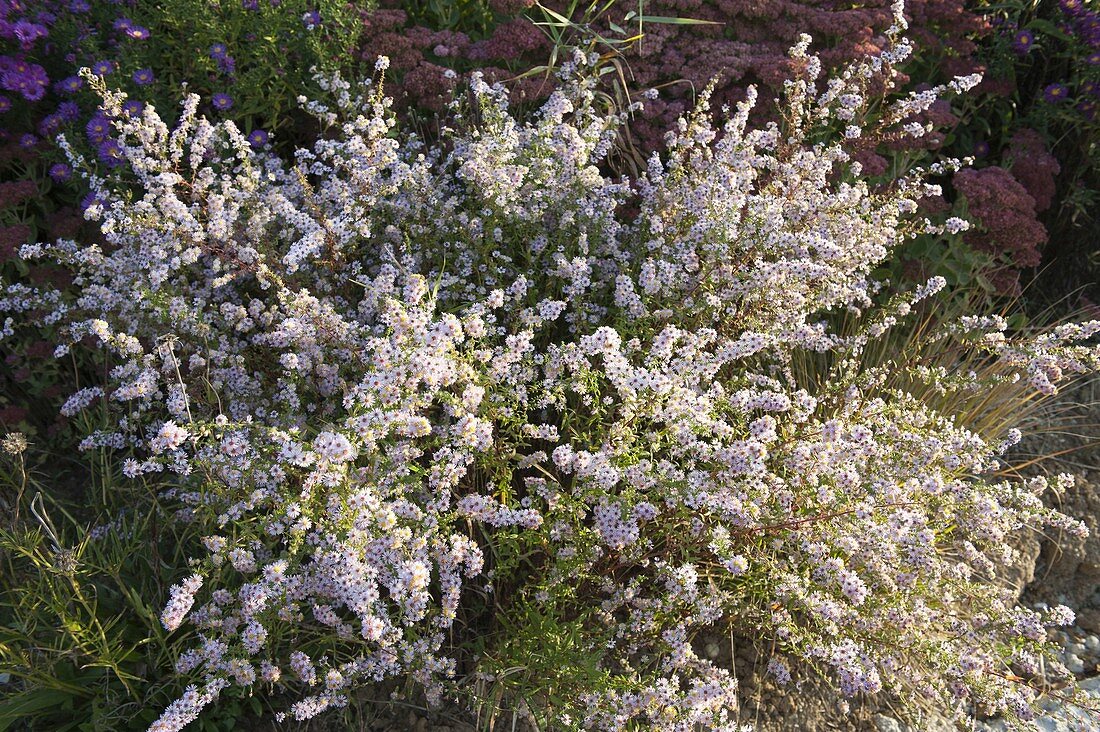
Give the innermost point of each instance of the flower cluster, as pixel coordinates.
(393, 379)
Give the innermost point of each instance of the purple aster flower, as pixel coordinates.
(312, 19)
(1054, 93)
(50, 124)
(60, 172)
(98, 128)
(250, 4)
(30, 80)
(110, 152)
(5, 104)
(222, 101)
(1022, 41)
(27, 33)
(1090, 31)
(79, 6)
(1072, 7)
(133, 107)
(71, 85)
(102, 68)
(138, 33)
(1093, 58)
(981, 149)
(218, 50)
(257, 138)
(27, 141)
(227, 64)
(122, 24)
(91, 200)
(143, 77)
(69, 111)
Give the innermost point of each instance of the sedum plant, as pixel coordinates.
(415, 397)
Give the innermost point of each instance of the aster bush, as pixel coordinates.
(1032, 117)
(224, 51)
(424, 402)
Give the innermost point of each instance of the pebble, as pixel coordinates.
(1092, 643)
(1075, 664)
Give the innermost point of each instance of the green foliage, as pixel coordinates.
(81, 644)
(274, 50)
(474, 17)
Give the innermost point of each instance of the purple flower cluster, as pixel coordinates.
(31, 26)
(127, 27)
(219, 52)
(23, 77)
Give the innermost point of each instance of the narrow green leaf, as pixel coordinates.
(671, 20)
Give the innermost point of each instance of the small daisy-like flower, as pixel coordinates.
(1054, 93)
(69, 111)
(257, 138)
(133, 107)
(981, 149)
(143, 77)
(70, 85)
(60, 172)
(110, 152)
(5, 104)
(1022, 41)
(103, 68)
(49, 125)
(138, 33)
(90, 200)
(312, 19)
(1093, 58)
(98, 128)
(28, 141)
(222, 101)
(218, 50)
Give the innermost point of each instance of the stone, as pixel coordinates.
(1075, 664)
(1088, 618)
(1069, 567)
(887, 724)
(1020, 571)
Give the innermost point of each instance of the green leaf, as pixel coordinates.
(1050, 29)
(671, 20)
(27, 703)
